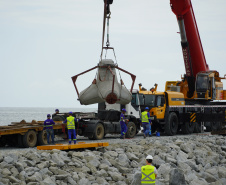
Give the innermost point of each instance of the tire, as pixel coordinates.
(20, 141)
(12, 140)
(187, 128)
(58, 118)
(197, 128)
(171, 125)
(98, 132)
(42, 138)
(131, 130)
(30, 139)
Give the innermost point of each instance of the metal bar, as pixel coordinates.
(132, 76)
(74, 78)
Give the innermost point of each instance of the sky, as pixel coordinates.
(43, 43)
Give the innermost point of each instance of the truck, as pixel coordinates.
(95, 125)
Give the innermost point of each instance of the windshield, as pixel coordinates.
(202, 83)
(149, 100)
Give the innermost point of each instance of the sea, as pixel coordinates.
(17, 114)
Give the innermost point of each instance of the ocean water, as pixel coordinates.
(16, 114)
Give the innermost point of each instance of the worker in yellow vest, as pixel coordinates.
(148, 172)
(146, 122)
(71, 127)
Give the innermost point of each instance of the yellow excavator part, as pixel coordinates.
(72, 146)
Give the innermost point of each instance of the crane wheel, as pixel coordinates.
(188, 127)
(131, 130)
(98, 132)
(30, 139)
(42, 138)
(171, 125)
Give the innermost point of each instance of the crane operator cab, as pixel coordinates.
(208, 86)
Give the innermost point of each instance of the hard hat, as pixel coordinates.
(70, 113)
(124, 110)
(48, 115)
(57, 110)
(146, 108)
(149, 157)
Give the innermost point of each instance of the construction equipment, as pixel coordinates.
(105, 86)
(199, 83)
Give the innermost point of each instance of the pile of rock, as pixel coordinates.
(179, 160)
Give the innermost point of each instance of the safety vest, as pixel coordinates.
(70, 122)
(144, 117)
(148, 175)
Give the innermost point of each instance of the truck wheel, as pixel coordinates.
(30, 139)
(197, 128)
(131, 130)
(171, 125)
(58, 118)
(98, 132)
(188, 128)
(42, 138)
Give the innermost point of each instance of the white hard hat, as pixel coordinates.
(149, 157)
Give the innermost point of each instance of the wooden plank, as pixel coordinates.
(72, 146)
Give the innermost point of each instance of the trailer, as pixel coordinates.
(27, 134)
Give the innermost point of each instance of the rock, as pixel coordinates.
(13, 179)
(84, 181)
(157, 161)
(213, 171)
(14, 171)
(19, 166)
(101, 181)
(187, 148)
(78, 154)
(221, 172)
(192, 164)
(102, 173)
(182, 157)
(208, 177)
(61, 177)
(177, 177)
(223, 148)
(137, 178)
(131, 156)
(6, 172)
(58, 160)
(134, 164)
(164, 171)
(94, 162)
(31, 170)
(23, 175)
(48, 181)
(171, 160)
(198, 182)
(75, 176)
(103, 166)
(71, 181)
(43, 165)
(8, 159)
(116, 176)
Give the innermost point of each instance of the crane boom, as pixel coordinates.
(184, 12)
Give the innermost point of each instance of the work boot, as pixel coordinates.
(144, 136)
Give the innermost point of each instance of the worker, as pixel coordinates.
(71, 127)
(146, 121)
(123, 124)
(148, 172)
(57, 111)
(48, 126)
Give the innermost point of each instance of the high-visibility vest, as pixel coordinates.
(144, 117)
(148, 175)
(70, 122)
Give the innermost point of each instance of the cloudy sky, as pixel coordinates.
(43, 43)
